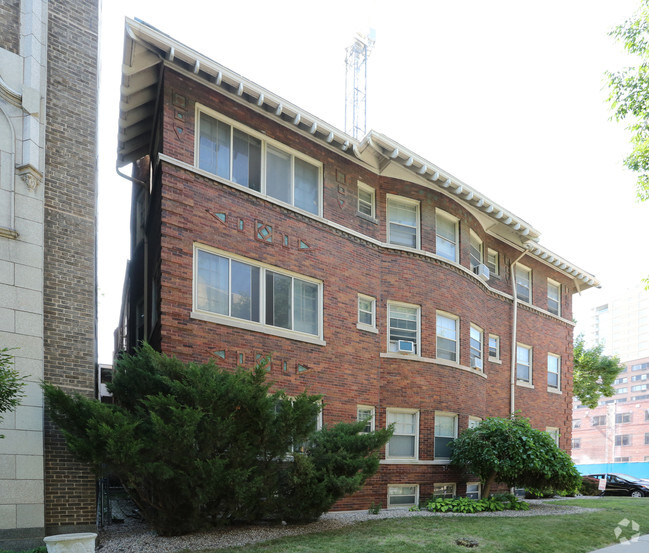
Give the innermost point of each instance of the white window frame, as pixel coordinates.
(475, 243)
(392, 347)
(557, 372)
(478, 490)
(530, 352)
(372, 420)
(266, 142)
(255, 326)
(497, 339)
(554, 284)
(439, 213)
(388, 412)
(372, 203)
(438, 415)
(392, 199)
(439, 485)
(553, 432)
(474, 422)
(401, 486)
(524, 270)
(496, 266)
(472, 351)
(455, 318)
(361, 325)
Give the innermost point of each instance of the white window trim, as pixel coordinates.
(265, 142)
(456, 222)
(372, 192)
(456, 420)
(554, 433)
(393, 198)
(387, 424)
(525, 383)
(497, 266)
(457, 335)
(372, 419)
(477, 420)
(474, 484)
(359, 324)
(558, 387)
(474, 236)
(410, 305)
(529, 271)
(482, 356)
(253, 325)
(558, 286)
(445, 484)
(497, 358)
(403, 506)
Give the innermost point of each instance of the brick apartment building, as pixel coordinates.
(48, 111)
(368, 274)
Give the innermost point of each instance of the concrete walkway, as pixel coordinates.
(639, 546)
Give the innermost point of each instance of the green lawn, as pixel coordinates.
(578, 533)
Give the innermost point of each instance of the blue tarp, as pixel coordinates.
(639, 470)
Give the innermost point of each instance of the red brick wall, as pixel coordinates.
(349, 369)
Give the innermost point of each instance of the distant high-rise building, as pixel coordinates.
(617, 430)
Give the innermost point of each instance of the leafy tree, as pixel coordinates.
(195, 445)
(11, 384)
(509, 450)
(594, 373)
(629, 93)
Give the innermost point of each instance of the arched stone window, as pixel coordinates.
(7, 176)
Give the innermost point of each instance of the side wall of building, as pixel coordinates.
(70, 254)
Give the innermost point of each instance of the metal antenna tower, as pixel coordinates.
(356, 83)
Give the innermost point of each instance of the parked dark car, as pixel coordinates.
(619, 484)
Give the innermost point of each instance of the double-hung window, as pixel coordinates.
(554, 371)
(366, 200)
(445, 433)
(238, 288)
(475, 348)
(366, 413)
(366, 312)
(524, 364)
(494, 347)
(554, 433)
(403, 221)
(447, 337)
(403, 327)
(247, 158)
(473, 490)
(493, 262)
(554, 297)
(404, 442)
(475, 251)
(523, 283)
(447, 231)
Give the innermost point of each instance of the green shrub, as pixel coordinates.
(195, 445)
(501, 502)
(375, 508)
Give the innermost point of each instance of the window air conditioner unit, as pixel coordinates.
(482, 271)
(405, 346)
(476, 363)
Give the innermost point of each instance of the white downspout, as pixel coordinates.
(512, 393)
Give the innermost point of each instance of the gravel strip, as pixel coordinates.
(138, 537)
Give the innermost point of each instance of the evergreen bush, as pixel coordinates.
(195, 445)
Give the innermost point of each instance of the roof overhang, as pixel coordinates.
(147, 51)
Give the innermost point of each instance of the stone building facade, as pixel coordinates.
(366, 273)
(48, 111)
